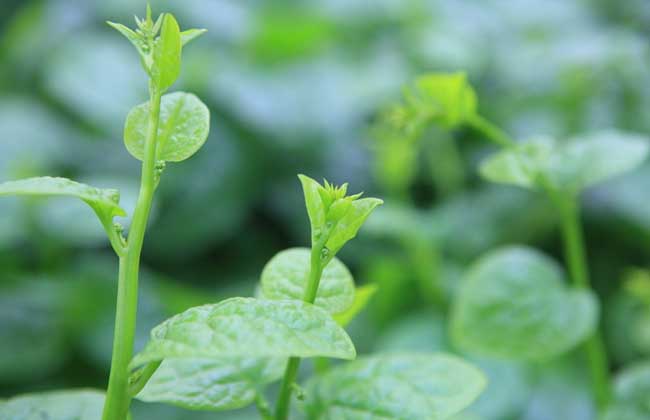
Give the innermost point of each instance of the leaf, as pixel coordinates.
(59, 405)
(286, 275)
(190, 35)
(248, 327)
(362, 296)
(105, 202)
(405, 386)
(167, 54)
(211, 384)
(183, 128)
(350, 224)
(631, 394)
(578, 163)
(132, 36)
(512, 304)
(313, 202)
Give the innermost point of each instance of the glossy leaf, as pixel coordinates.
(346, 227)
(183, 128)
(59, 405)
(167, 54)
(578, 163)
(190, 35)
(362, 296)
(405, 386)
(513, 304)
(211, 384)
(105, 202)
(285, 276)
(631, 394)
(247, 327)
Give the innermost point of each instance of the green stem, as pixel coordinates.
(576, 260)
(315, 272)
(491, 131)
(118, 399)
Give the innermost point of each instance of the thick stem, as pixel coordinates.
(491, 131)
(315, 272)
(117, 396)
(576, 260)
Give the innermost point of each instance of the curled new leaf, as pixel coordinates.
(250, 328)
(285, 276)
(167, 54)
(211, 384)
(578, 163)
(513, 304)
(105, 202)
(59, 405)
(183, 128)
(333, 213)
(436, 386)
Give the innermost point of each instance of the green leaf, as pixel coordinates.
(105, 202)
(405, 386)
(167, 54)
(247, 327)
(59, 405)
(191, 34)
(135, 39)
(313, 202)
(578, 163)
(631, 394)
(350, 224)
(211, 384)
(513, 304)
(362, 296)
(183, 128)
(285, 276)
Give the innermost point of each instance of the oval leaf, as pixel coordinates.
(415, 386)
(105, 202)
(513, 304)
(362, 296)
(183, 128)
(572, 165)
(285, 276)
(631, 394)
(59, 405)
(248, 327)
(211, 384)
(167, 54)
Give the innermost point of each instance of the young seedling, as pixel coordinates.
(167, 128)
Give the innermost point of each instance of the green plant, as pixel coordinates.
(222, 356)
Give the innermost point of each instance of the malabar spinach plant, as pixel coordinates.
(167, 128)
(222, 356)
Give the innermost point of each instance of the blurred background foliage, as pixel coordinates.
(295, 86)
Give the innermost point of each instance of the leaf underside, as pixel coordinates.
(56, 405)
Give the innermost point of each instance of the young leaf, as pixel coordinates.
(211, 384)
(59, 405)
(409, 386)
(248, 327)
(183, 128)
(345, 224)
(135, 38)
(362, 296)
(191, 34)
(513, 304)
(105, 202)
(167, 54)
(285, 277)
(631, 394)
(578, 163)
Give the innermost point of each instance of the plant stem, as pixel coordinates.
(118, 399)
(576, 260)
(315, 272)
(491, 131)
